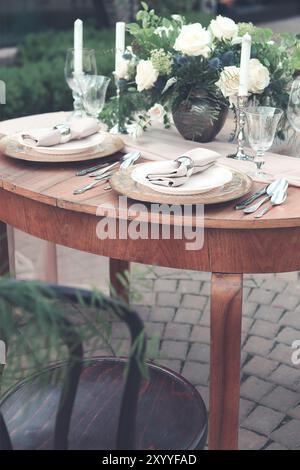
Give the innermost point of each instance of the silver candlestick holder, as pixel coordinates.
(120, 128)
(240, 152)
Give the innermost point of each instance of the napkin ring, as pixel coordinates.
(65, 132)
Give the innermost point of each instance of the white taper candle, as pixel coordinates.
(120, 42)
(78, 43)
(244, 65)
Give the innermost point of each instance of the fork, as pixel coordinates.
(101, 179)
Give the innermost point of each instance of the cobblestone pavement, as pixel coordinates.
(175, 307)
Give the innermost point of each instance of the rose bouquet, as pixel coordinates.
(170, 63)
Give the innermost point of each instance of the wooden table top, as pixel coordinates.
(53, 184)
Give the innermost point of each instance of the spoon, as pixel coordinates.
(277, 185)
(278, 198)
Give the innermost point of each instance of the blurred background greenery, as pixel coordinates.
(43, 31)
(35, 82)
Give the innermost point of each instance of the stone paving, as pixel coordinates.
(175, 307)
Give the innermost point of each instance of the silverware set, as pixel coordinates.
(274, 194)
(102, 172)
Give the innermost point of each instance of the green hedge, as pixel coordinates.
(37, 84)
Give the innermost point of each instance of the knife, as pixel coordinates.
(252, 198)
(91, 169)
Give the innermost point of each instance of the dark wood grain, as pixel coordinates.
(171, 414)
(227, 251)
(225, 346)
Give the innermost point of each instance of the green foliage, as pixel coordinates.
(154, 38)
(195, 77)
(123, 111)
(35, 89)
(37, 83)
(295, 58)
(32, 320)
(279, 54)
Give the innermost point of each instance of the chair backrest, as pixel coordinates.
(125, 439)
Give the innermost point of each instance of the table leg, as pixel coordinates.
(4, 251)
(4, 269)
(11, 250)
(118, 268)
(226, 316)
(49, 272)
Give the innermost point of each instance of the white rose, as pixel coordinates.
(259, 76)
(193, 40)
(122, 69)
(157, 113)
(223, 28)
(229, 81)
(146, 75)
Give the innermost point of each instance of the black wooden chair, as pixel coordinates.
(97, 407)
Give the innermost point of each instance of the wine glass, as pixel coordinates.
(293, 110)
(89, 67)
(94, 88)
(262, 123)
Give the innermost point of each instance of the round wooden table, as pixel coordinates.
(38, 199)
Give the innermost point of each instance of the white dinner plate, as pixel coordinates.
(73, 146)
(212, 178)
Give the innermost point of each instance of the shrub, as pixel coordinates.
(37, 84)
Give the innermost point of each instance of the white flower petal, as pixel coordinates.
(193, 40)
(146, 75)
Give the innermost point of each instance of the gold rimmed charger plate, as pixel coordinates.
(123, 183)
(10, 146)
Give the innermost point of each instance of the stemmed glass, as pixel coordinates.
(89, 67)
(262, 123)
(293, 110)
(93, 89)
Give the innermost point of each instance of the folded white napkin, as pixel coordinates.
(70, 130)
(173, 173)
